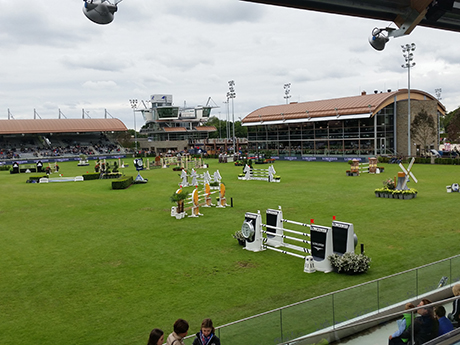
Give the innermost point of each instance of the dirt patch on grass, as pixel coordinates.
(245, 264)
(115, 263)
(147, 209)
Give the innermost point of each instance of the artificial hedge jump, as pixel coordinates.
(123, 183)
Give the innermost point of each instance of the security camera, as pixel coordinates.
(100, 11)
(377, 39)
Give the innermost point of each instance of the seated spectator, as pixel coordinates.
(425, 326)
(454, 316)
(445, 326)
(180, 331)
(403, 324)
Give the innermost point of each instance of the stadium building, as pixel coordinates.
(172, 128)
(364, 125)
(59, 139)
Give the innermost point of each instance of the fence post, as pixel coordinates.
(281, 324)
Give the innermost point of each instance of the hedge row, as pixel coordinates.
(421, 160)
(123, 183)
(36, 177)
(91, 176)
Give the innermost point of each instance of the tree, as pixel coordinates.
(221, 125)
(453, 126)
(124, 138)
(423, 129)
(240, 131)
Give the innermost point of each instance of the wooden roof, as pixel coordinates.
(347, 107)
(206, 128)
(61, 126)
(175, 129)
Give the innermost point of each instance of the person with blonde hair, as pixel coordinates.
(206, 335)
(454, 316)
(403, 324)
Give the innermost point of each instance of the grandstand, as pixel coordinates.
(59, 139)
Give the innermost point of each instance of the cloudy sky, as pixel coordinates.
(53, 57)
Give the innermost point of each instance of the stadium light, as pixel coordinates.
(133, 103)
(408, 56)
(232, 94)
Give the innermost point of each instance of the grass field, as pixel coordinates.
(84, 264)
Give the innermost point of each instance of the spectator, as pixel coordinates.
(403, 324)
(445, 326)
(206, 335)
(454, 316)
(156, 337)
(180, 331)
(425, 326)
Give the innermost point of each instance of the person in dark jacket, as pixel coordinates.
(425, 326)
(206, 335)
(454, 316)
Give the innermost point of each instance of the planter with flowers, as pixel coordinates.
(397, 194)
(350, 263)
(238, 235)
(409, 193)
(179, 198)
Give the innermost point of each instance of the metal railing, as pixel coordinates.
(332, 309)
(386, 318)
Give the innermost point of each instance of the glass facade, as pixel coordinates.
(365, 136)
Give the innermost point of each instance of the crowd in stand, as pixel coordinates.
(16, 150)
(430, 323)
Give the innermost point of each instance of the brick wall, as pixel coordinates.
(401, 122)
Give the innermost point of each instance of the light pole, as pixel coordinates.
(438, 124)
(227, 134)
(408, 56)
(287, 90)
(133, 103)
(232, 94)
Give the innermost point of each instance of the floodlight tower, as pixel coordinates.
(133, 103)
(227, 133)
(287, 90)
(232, 94)
(408, 56)
(438, 124)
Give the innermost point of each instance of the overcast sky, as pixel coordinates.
(53, 57)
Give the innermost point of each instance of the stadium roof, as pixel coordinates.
(439, 14)
(61, 126)
(363, 106)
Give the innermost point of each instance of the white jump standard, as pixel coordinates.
(259, 174)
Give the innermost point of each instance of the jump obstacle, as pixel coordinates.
(199, 179)
(454, 187)
(61, 179)
(370, 167)
(259, 174)
(322, 241)
(199, 199)
(184, 162)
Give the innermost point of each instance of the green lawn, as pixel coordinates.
(83, 264)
